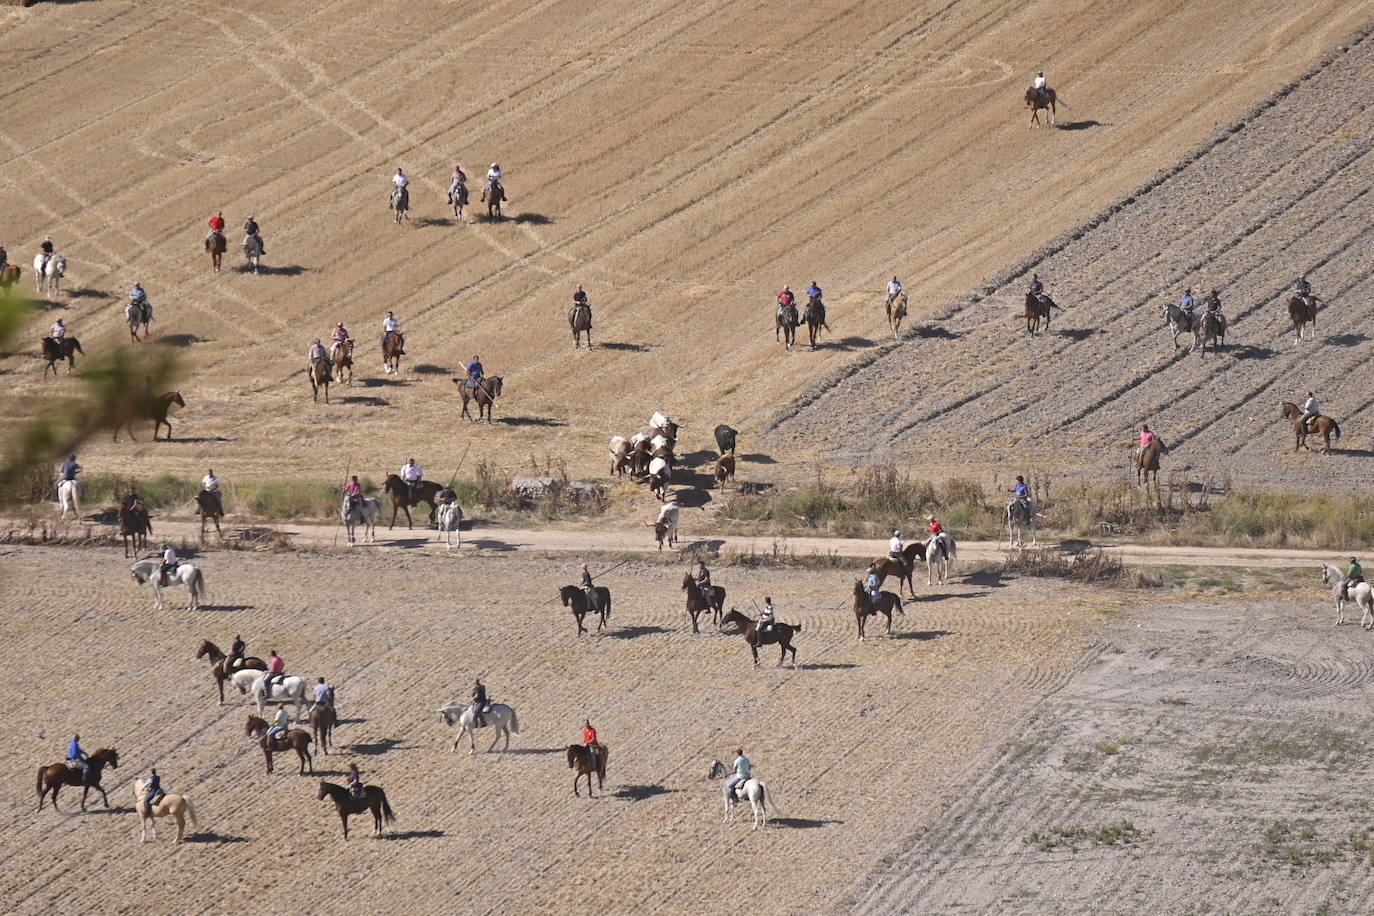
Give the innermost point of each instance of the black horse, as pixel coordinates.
(575, 598)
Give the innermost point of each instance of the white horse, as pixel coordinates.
(177, 806)
(48, 270)
(136, 313)
(1020, 516)
(1362, 594)
(69, 496)
(290, 690)
(252, 250)
(499, 716)
(940, 555)
(450, 518)
(753, 790)
(185, 574)
(368, 511)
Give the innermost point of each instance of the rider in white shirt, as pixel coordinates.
(411, 474)
(493, 175)
(58, 331)
(211, 483)
(399, 179)
(322, 692)
(1038, 84)
(894, 289)
(389, 326)
(169, 562)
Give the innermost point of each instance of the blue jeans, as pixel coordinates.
(732, 782)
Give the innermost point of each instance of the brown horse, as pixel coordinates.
(814, 317)
(485, 394)
(156, 410)
(580, 320)
(323, 718)
(52, 778)
(780, 633)
(1147, 461)
(54, 350)
(886, 566)
(210, 510)
(698, 601)
(426, 491)
(393, 348)
(320, 372)
(1323, 426)
(786, 325)
(864, 606)
(219, 661)
(373, 799)
(216, 244)
(343, 359)
(588, 760)
(1303, 310)
(896, 311)
(135, 523)
(1036, 103)
(494, 198)
(296, 739)
(1038, 307)
(9, 275)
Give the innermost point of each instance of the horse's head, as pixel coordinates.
(450, 715)
(206, 648)
(572, 755)
(176, 399)
(107, 756)
(494, 385)
(717, 770)
(324, 791)
(858, 589)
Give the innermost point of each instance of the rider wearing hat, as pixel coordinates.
(339, 335)
(250, 228)
(493, 177)
(871, 583)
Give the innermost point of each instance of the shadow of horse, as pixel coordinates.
(374, 748)
(1347, 340)
(86, 292)
(490, 544)
(1078, 334)
(413, 835)
(210, 836)
(636, 632)
(1247, 351)
(532, 219)
(283, 270)
(932, 332)
(1080, 125)
(380, 382)
(364, 400)
(924, 635)
(850, 343)
(640, 793)
(625, 347)
(802, 823)
(184, 340)
(428, 369)
(532, 421)
(425, 222)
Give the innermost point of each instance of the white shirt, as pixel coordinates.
(493, 174)
(58, 331)
(1310, 404)
(1039, 82)
(400, 180)
(316, 351)
(895, 545)
(390, 324)
(169, 556)
(210, 482)
(894, 288)
(411, 472)
(321, 693)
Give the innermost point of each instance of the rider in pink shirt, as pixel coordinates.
(275, 667)
(1146, 437)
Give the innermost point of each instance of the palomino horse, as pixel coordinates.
(699, 602)
(450, 519)
(216, 245)
(178, 807)
(296, 739)
(498, 716)
(864, 606)
(66, 348)
(320, 372)
(786, 325)
(494, 197)
(52, 778)
(1147, 461)
(577, 600)
(323, 718)
(1362, 594)
(403, 497)
(393, 348)
(185, 574)
(814, 317)
(210, 510)
(219, 661)
(1038, 307)
(373, 799)
(156, 410)
(1211, 326)
(751, 789)
(366, 510)
(69, 497)
(48, 272)
(1035, 102)
(252, 251)
(400, 204)
(485, 394)
(9, 275)
(1322, 425)
(780, 633)
(135, 524)
(135, 314)
(1177, 321)
(343, 359)
(1303, 310)
(1020, 516)
(588, 760)
(580, 320)
(896, 311)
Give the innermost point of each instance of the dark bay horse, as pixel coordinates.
(814, 317)
(1322, 425)
(580, 320)
(210, 510)
(1038, 307)
(864, 607)
(218, 661)
(323, 718)
(575, 598)
(54, 350)
(485, 394)
(786, 325)
(343, 359)
(156, 410)
(588, 760)
(699, 602)
(1036, 103)
(321, 371)
(494, 198)
(52, 778)
(296, 739)
(1303, 310)
(134, 523)
(216, 244)
(426, 491)
(1147, 461)
(911, 554)
(393, 348)
(781, 633)
(374, 800)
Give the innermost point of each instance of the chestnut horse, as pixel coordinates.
(485, 394)
(323, 718)
(210, 510)
(786, 325)
(698, 601)
(157, 411)
(588, 760)
(1036, 103)
(54, 350)
(9, 275)
(1303, 310)
(52, 778)
(911, 554)
(401, 498)
(320, 372)
(814, 317)
(1147, 461)
(1038, 307)
(1323, 426)
(343, 359)
(218, 661)
(865, 606)
(296, 739)
(393, 348)
(780, 633)
(373, 799)
(216, 244)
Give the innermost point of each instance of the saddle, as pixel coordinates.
(279, 742)
(158, 796)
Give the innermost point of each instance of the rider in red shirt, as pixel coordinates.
(785, 297)
(589, 734)
(217, 222)
(935, 527)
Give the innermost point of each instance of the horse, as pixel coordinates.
(814, 317)
(786, 325)
(216, 245)
(54, 350)
(885, 566)
(588, 760)
(366, 510)
(156, 410)
(450, 518)
(751, 789)
(725, 438)
(289, 689)
(781, 633)
(1147, 461)
(323, 718)
(580, 320)
(864, 606)
(1035, 102)
(69, 497)
(498, 716)
(210, 510)
(1322, 425)
(185, 574)
(576, 598)
(400, 203)
(9, 275)
(1212, 326)
(48, 270)
(393, 348)
(426, 491)
(1302, 310)
(252, 251)
(1020, 516)
(896, 311)
(52, 778)
(484, 393)
(941, 552)
(1178, 321)
(295, 739)
(321, 371)
(699, 601)
(373, 799)
(218, 661)
(1038, 307)
(136, 524)
(724, 469)
(459, 201)
(494, 197)
(1362, 595)
(178, 807)
(138, 313)
(343, 359)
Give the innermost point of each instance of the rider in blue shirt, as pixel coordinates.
(151, 789)
(1188, 304)
(77, 757)
(741, 774)
(872, 584)
(474, 372)
(1021, 491)
(137, 294)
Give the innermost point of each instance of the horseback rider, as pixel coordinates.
(479, 704)
(339, 336)
(458, 187)
(276, 668)
(580, 301)
(1302, 289)
(1354, 575)
(354, 491)
(1146, 437)
(151, 790)
(741, 773)
(132, 501)
(76, 758)
(1187, 306)
(324, 695)
(412, 475)
(935, 528)
(68, 471)
(280, 723)
(1039, 84)
(871, 583)
(493, 177)
(588, 587)
(317, 353)
(813, 293)
(251, 230)
(1020, 494)
(138, 297)
(1213, 303)
(894, 552)
(475, 374)
(216, 227)
(766, 620)
(58, 331)
(236, 653)
(168, 566)
(398, 183)
(211, 485)
(4, 258)
(589, 735)
(389, 327)
(704, 579)
(1036, 288)
(1310, 411)
(894, 289)
(46, 249)
(785, 299)
(354, 781)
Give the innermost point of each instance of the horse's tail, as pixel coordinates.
(387, 813)
(199, 580)
(897, 601)
(191, 811)
(777, 809)
(1059, 100)
(514, 722)
(606, 593)
(41, 786)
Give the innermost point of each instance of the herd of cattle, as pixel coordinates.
(650, 454)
